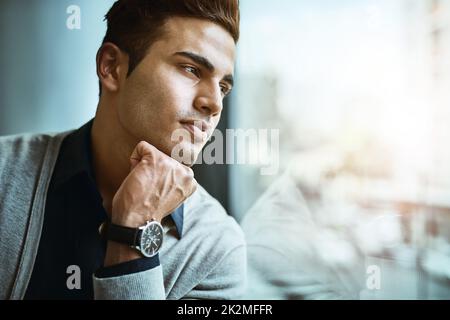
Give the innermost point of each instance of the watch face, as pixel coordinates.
(151, 239)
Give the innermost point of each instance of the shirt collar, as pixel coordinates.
(75, 157)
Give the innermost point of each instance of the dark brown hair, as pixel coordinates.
(133, 25)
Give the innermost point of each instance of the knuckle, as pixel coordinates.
(189, 172)
(145, 147)
(142, 143)
(167, 163)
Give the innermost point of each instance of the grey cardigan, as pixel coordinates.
(208, 262)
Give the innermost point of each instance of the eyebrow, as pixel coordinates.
(204, 62)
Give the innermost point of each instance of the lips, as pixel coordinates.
(198, 128)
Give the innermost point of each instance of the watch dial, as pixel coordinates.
(151, 239)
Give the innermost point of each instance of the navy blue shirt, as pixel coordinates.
(70, 237)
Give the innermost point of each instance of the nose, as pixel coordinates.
(209, 101)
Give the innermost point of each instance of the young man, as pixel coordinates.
(105, 212)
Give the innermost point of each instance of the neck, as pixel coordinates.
(111, 149)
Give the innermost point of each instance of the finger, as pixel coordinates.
(194, 186)
(141, 150)
(190, 172)
(193, 183)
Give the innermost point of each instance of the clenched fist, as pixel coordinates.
(155, 186)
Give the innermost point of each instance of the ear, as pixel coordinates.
(112, 67)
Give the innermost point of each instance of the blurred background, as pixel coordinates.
(358, 91)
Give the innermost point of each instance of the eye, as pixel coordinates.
(192, 70)
(225, 90)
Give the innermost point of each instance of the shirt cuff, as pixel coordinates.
(129, 267)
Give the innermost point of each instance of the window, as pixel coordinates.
(359, 93)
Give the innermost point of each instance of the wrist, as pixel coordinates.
(128, 243)
(132, 219)
(117, 253)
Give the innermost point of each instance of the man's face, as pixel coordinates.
(180, 84)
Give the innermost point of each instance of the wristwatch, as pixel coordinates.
(147, 239)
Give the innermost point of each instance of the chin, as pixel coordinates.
(186, 153)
